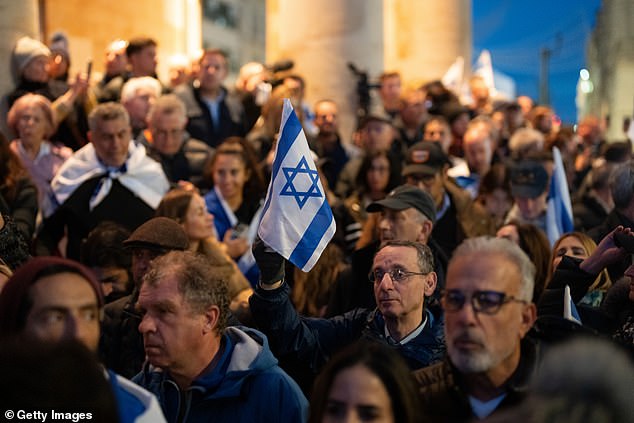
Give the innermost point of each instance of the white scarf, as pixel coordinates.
(141, 175)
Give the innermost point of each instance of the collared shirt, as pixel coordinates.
(484, 408)
(446, 203)
(214, 107)
(409, 337)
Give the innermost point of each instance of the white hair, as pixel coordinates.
(129, 89)
(511, 251)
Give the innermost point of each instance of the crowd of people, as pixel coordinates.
(129, 210)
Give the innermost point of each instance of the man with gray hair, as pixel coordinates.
(137, 96)
(111, 178)
(402, 279)
(183, 158)
(488, 312)
(200, 369)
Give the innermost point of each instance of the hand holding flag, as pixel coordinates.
(297, 221)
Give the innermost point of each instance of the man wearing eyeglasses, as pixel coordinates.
(488, 312)
(182, 157)
(402, 277)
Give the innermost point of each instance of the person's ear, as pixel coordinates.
(528, 316)
(211, 316)
(431, 280)
(425, 232)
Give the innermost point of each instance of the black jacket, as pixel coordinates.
(200, 125)
(121, 206)
(443, 396)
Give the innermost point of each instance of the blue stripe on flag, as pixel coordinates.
(314, 233)
(559, 211)
(290, 132)
(574, 312)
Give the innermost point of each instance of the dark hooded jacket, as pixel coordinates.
(245, 385)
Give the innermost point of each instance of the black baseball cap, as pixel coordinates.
(405, 197)
(528, 179)
(425, 158)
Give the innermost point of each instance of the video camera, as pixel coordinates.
(363, 90)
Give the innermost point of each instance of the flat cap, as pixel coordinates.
(158, 234)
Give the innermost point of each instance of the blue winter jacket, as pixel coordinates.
(312, 341)
(246, 385)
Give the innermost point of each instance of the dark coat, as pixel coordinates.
(120, 206)
(588, 213)
(200, 125)
(245, 385)
(23, 208)
(443, 396)
(187, 164)
(312, 341)
(353, 289)
(121, 344)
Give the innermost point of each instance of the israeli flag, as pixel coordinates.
(297, 221)
(559, 210)
(570, 310)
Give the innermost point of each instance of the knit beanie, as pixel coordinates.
(14, 296)
(25, 50)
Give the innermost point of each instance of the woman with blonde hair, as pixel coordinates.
(580, 245)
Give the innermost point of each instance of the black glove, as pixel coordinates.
(270, 263)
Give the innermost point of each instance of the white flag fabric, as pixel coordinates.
(453, 78)
(297, 221)
(484, 68)
(559, 210)
(570, 310)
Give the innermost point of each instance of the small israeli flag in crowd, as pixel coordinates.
(297, 221)
(559, 209)
(570, 310)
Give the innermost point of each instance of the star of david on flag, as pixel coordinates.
(297, 221)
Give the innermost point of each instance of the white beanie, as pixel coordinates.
(25, 50)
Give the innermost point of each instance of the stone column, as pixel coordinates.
(423, 38)
(322, 37)
(17, 19)
(420, 39)
(175, 25)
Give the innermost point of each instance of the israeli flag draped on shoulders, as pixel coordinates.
(559, 210)
(297, 221)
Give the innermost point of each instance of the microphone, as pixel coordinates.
(280, 65)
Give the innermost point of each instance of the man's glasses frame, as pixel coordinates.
(397, 275)
(484, 301)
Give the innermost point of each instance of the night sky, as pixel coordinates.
(516, 31)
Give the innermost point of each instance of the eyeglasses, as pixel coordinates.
(487, 302)
(397, 275)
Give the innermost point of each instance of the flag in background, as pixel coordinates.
(570, 310)
(559, 210)
(484, 68)
(297, 221)
(454, 77)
